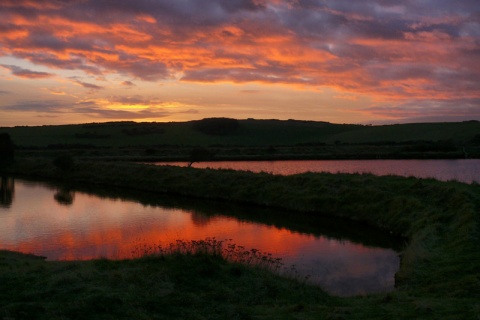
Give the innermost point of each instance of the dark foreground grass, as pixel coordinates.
(439, 276)
(188, 280)
(178, 286)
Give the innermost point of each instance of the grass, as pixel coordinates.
(439, 277)
(187, 280)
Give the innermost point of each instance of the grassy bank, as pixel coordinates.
(439, 275)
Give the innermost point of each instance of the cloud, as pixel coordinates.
(133, 100)
(95, 110)
(250, 91)
(48, 106)
(128, 84)
(266, 74)
(430, 110)
(27, 74)
(394, 51)
(57, 92)
(88, 85)
(101, 109)
(4, 92)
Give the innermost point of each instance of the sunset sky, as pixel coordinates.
(342, 61)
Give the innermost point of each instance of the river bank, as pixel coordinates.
(438, 277)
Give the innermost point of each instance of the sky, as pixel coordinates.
(341, 61)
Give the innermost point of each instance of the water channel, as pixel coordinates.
(62, 223)
(462, 170)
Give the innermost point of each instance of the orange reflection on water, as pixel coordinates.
(91, 227)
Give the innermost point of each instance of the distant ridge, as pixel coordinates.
(248, 132)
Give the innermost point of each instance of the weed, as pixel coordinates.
(224, 249)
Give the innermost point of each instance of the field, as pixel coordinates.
(439, 276)
(223, 139)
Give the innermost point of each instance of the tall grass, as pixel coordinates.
(223, 249)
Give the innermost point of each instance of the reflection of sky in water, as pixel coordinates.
(349, 266)
(91, 227)
(463, 170)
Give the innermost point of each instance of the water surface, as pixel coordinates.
(463, 170)
(62, 223)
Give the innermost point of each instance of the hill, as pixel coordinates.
(260, 138)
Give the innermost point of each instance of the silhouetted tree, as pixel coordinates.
(199, 154)
(7, 148)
